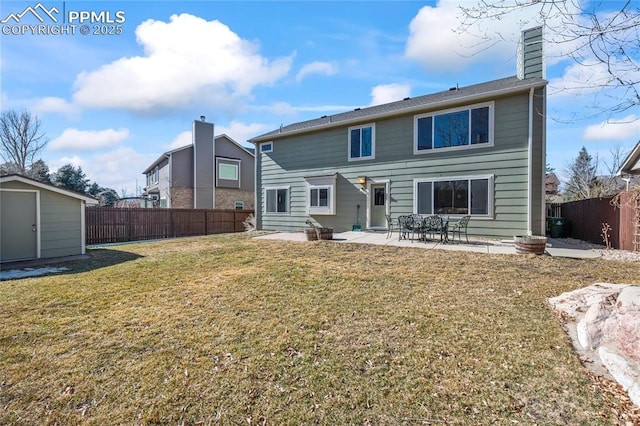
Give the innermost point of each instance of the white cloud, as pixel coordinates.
(118, 169)
(316, 68)
(54, 105)
(186, 60)
(433, 41)
(385, 93)
(241, 132)
(627, 128)
(183, 139)
(284, 108)
(55, 164)
(581, 79)
(88, 140)
(438, 43)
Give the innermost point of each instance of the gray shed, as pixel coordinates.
(39, 221)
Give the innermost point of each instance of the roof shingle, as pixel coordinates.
(509, 84)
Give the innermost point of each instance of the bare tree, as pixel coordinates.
(21, 139)
(609, 40)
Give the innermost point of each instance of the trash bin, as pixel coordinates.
(558, 227)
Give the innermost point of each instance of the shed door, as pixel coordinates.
(18, 221)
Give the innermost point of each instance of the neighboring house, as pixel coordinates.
(211, 173)
(630, 169)
(552, 188)
(476, 150)
(39, 221)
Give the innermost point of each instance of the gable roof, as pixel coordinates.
(48, 187)
(436, 100)
(631, 164)
(230, 139)
(168, 154)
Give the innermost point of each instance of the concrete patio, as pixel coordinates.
(555, 248)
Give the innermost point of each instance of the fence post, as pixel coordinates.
(128, 225)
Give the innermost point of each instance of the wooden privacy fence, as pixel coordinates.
(587, 218)
(115, 225)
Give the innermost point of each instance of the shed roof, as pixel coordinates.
(49, 187)
(441, 99)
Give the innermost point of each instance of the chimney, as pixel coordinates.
(203, 165)
(531, 54)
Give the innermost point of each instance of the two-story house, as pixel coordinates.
(211, 173)
(476, 150)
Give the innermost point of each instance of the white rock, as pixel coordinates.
(575, 303)
(623, 371)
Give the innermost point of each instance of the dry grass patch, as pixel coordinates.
(230, 330)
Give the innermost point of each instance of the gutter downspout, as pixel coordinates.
(530, 165)
(543, 204)
(256, 158)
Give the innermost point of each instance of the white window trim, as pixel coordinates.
(156, 174)
(491, 106)
(236, 203)
(226, 162)
(373, 142)
(322, 182)
(490, 194)
(263, 148)
(264, 201)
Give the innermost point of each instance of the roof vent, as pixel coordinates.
(202, 118)
(407, 98)
(357, 109)
(452, 89)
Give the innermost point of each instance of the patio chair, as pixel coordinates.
(404, 227)
(460, 227)
(417, 225)
(389, 225)
(435, 225)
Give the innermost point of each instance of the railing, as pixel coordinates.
(114, 225)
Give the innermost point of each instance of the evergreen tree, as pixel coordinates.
(40, 171)
(107, 197)
(94, 189)
(70, 178)
(582, 177)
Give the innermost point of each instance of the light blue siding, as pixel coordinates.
(326, 152)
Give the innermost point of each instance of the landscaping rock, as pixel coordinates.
(604, 324)
(626, 373)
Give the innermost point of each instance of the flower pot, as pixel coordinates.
(325, 234)
(530, 244)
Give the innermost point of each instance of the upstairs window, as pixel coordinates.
(454, 129)
(362, 142)
(228, 175)
(266, 147)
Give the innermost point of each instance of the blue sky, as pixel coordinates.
(113, 103)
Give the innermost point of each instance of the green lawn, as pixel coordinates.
(233, 330)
